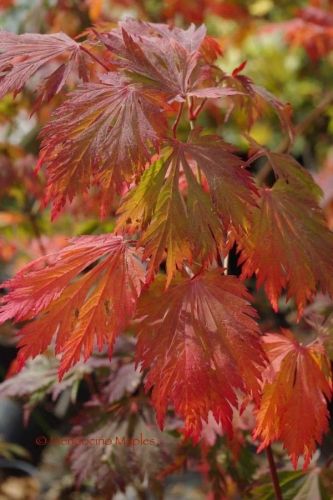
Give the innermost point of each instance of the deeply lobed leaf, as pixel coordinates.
(200, 344)
(166, 58)
(21, 56)
(77, 304)
(102, 134)
(127, 448)
(255, 99)
(299, 387)
(173, 60)
(173, 218)
(288, 245)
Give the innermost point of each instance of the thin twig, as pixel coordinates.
(299, 130)
(192, 116)
(93, 56)
(315, 113)
(272, 468)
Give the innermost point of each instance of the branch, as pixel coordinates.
(315, 113)
(272, 468)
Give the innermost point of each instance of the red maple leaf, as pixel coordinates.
(288, 245)
(100, 135)
(171, 60)
(21, 56)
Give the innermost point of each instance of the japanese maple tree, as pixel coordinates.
(184, 200)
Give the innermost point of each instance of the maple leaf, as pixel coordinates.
(125, 380)
(101, 134)
(21, 56)
(39, 379)
(254, 99)
(169, 228)
(299, 386)
(78, 309)
(230, 184)
(211, 49)
(200, 343)
(35, 378)
(169, 59)
(286, 168)
(139, 449)
(288, 246)
(155, 55)
(157, 206)
(172, 221)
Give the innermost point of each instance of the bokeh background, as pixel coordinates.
(288, 47)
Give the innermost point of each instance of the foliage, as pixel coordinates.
(183, 175)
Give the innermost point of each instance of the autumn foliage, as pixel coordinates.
(182, 203)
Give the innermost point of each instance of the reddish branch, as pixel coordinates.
(275, 479)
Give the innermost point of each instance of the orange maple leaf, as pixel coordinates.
(78, 304)
(293, 407)
(172, 220)
(200, 343)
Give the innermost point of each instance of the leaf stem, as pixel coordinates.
(199, 108)
(191, 116)
(273, 471)
(97, 59)
(226, 264)
(176, 123)
(199, 176)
